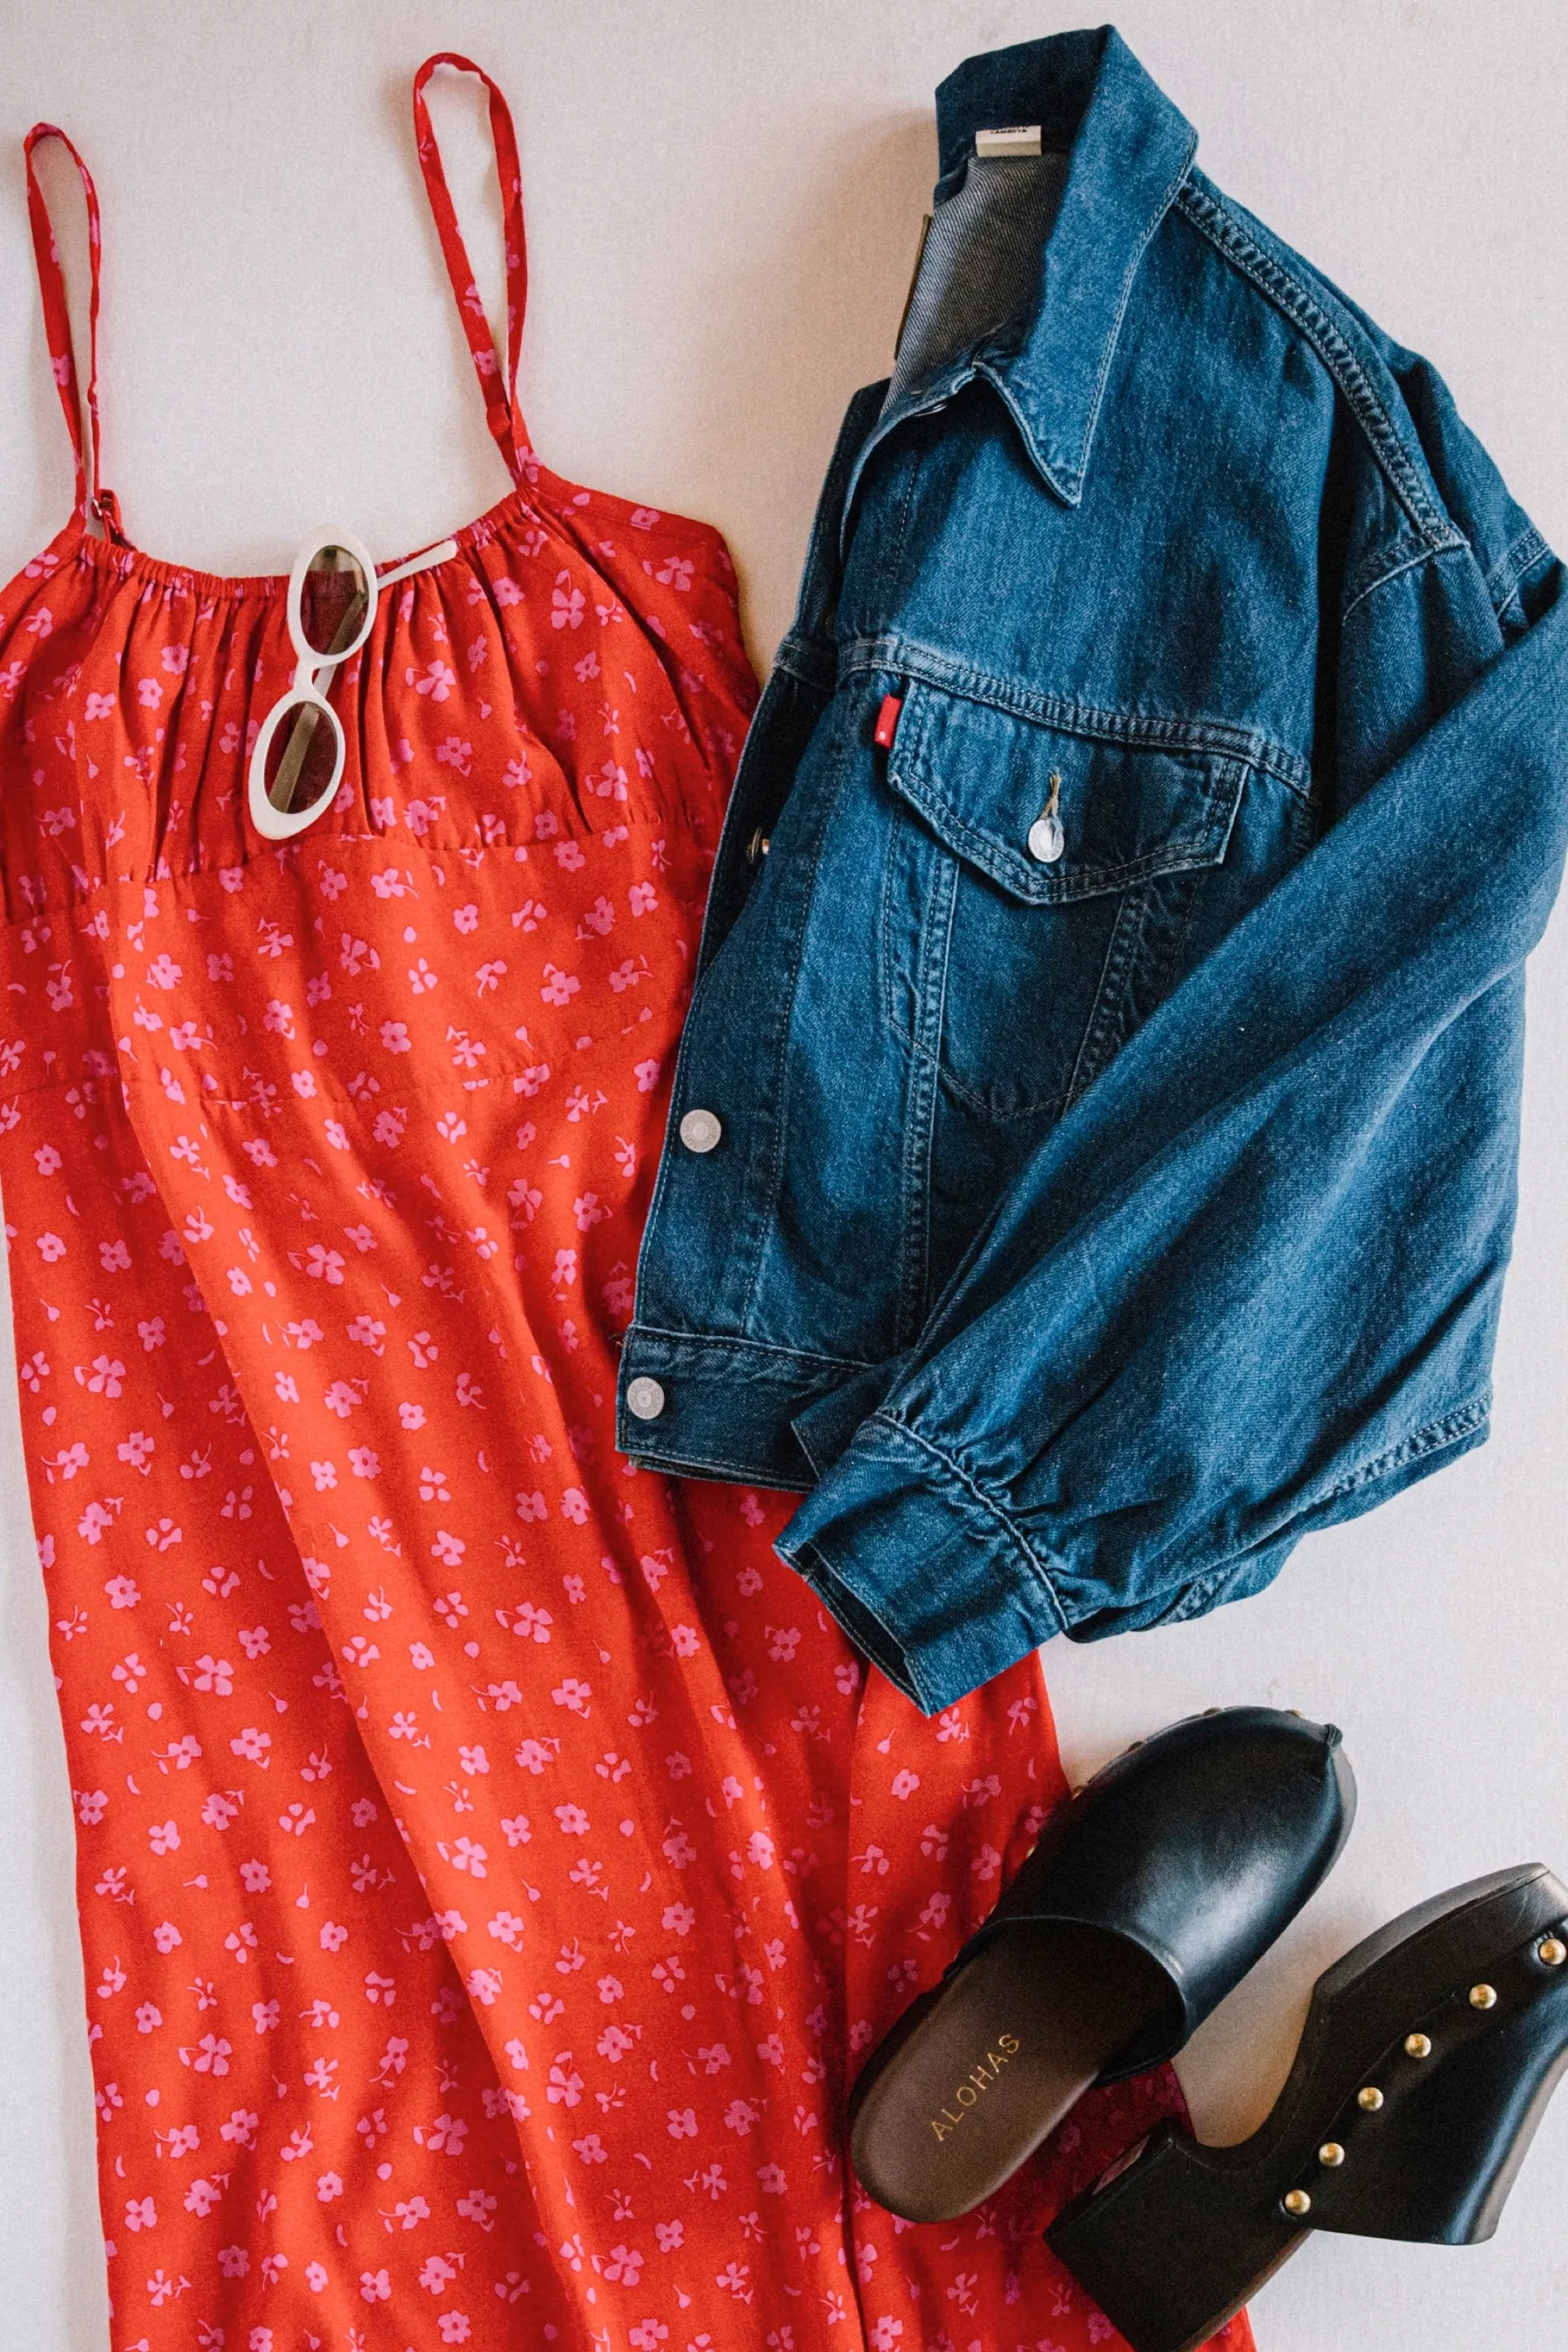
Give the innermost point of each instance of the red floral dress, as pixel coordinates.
(493, 1863)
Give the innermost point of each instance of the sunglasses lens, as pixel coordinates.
(334, 597)
(301, 759)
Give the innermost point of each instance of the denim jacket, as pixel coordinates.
(1091, 1161)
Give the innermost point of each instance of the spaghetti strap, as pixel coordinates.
(505, 418)
(91, 497)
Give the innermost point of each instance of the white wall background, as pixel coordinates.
(723, 205)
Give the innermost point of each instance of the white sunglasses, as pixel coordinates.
(298, 761)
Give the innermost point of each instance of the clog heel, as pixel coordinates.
(1427, 2060)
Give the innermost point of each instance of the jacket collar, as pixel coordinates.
(1130, 151)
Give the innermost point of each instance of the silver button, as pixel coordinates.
(701, 1130)
(645, 1399)
(1047, 839)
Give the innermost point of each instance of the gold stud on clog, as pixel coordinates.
(1551, 1952)
(1483, 1996)
(1419, 2045)
(1331, 2153)
(1296, 2202)
(1370, 2099)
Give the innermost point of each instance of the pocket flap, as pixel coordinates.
(983, 777)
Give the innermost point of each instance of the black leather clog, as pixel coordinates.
(1148, 1897)
(1427, 2059)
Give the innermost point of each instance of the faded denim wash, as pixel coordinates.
(1080, 1232)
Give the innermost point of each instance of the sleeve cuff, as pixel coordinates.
(924, 1574)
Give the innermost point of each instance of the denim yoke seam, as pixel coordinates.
(1135, 729)
(1213, 218)
(994, 1509)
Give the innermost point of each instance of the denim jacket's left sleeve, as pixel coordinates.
(1250, 1284)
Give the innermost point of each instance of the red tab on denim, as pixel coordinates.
(887, 720)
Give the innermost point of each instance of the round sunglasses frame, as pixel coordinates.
(280, 825)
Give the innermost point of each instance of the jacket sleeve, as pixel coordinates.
(1250, 1284)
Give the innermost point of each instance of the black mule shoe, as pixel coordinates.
(1427, 2060)
(1148, 1897)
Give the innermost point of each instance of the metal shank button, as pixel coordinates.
(701, 1130)
(645, 1399)
(1047, 839)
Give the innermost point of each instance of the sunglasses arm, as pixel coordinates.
(437, 554)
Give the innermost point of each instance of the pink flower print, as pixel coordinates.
(517, 772)
(175, 659)
(164, 1837)
(455, 754)
(453, 2328)
(212, 2055)
(98, 706)
(252, 1744)
(446, 2135)
(163, 972)
(141, 2213)
(215, 1674)
(560, 987)
(566, 2085)
(241, 1943)
(437, 680)
(395, 1036)
(683, 2123)
(50, 1248)
(566, 604)
(529, 1622)
(122, 1589)
(375, 2286)
(676, 572)
(508, 592)
(149, 693)
(642, 898)
(264, 2016)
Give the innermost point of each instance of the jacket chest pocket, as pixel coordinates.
(1039, 887)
